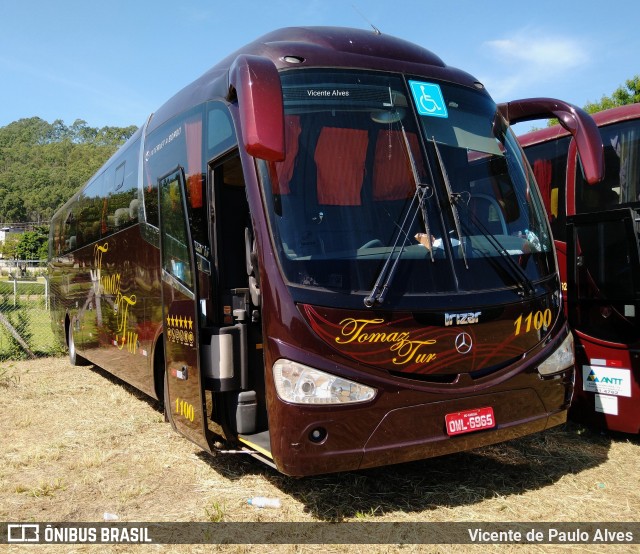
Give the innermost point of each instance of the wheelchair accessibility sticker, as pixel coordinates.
(429, 99)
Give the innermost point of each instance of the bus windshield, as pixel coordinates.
(396, 186)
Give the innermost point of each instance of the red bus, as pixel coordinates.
(595, 227)
(329, 252)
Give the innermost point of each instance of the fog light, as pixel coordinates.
(318, 435)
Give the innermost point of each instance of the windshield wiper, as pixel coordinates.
(453, 200)
(517, 273)
(380, 288)
(379, 291)
(421, 188)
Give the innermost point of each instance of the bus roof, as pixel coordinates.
(306, 47)
(605, 117)
(315, 47)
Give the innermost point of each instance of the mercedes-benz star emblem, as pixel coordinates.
(464, 343)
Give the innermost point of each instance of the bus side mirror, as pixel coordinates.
(255, 82)
(575, 120)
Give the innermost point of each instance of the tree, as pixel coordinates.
(8, 247)
(31, 245)
(629, 93)
(25, 131)
(42, 164)
(13, 209)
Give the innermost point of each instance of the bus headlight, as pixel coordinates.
(301, 384)
(560, 360)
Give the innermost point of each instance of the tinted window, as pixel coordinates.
(177, 143)
(621, 183)
(549, 163)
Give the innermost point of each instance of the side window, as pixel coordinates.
(56, 242)
(173, 230)
(119, 177)
(123, 197)
(187, 141)
(70, 227)
(176, 143)
(221, 135)
(92, 212)
(165, 150)
(549, 163)
(621, 183)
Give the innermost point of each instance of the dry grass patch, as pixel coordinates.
(78, 443)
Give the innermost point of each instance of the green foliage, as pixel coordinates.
(33, 245)
(8, 247)
(25, 324)
(629, 93)
(216, 512)
(19, 319)
(42, 164)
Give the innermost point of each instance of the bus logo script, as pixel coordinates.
(461, 319)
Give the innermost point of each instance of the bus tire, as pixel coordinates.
(75, 358)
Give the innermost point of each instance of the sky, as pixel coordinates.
(114, 63)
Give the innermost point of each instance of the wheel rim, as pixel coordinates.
(72, 346)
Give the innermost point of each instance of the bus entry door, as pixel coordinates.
(184, 392)
(603, 275)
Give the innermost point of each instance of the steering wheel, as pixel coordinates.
(375, 243)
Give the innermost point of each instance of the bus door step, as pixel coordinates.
(259, 446)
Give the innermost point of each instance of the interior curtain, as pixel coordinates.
(193, 132)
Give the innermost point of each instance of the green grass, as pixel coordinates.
(32, 321)
(23, 288)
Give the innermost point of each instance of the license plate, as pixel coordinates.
(469, 421)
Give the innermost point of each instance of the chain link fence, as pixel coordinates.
(25, 321)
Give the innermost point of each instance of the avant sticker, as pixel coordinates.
(429, 99)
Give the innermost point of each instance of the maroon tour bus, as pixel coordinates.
(329, 252)
(595, 228)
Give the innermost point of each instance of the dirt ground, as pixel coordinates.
(77, 443)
